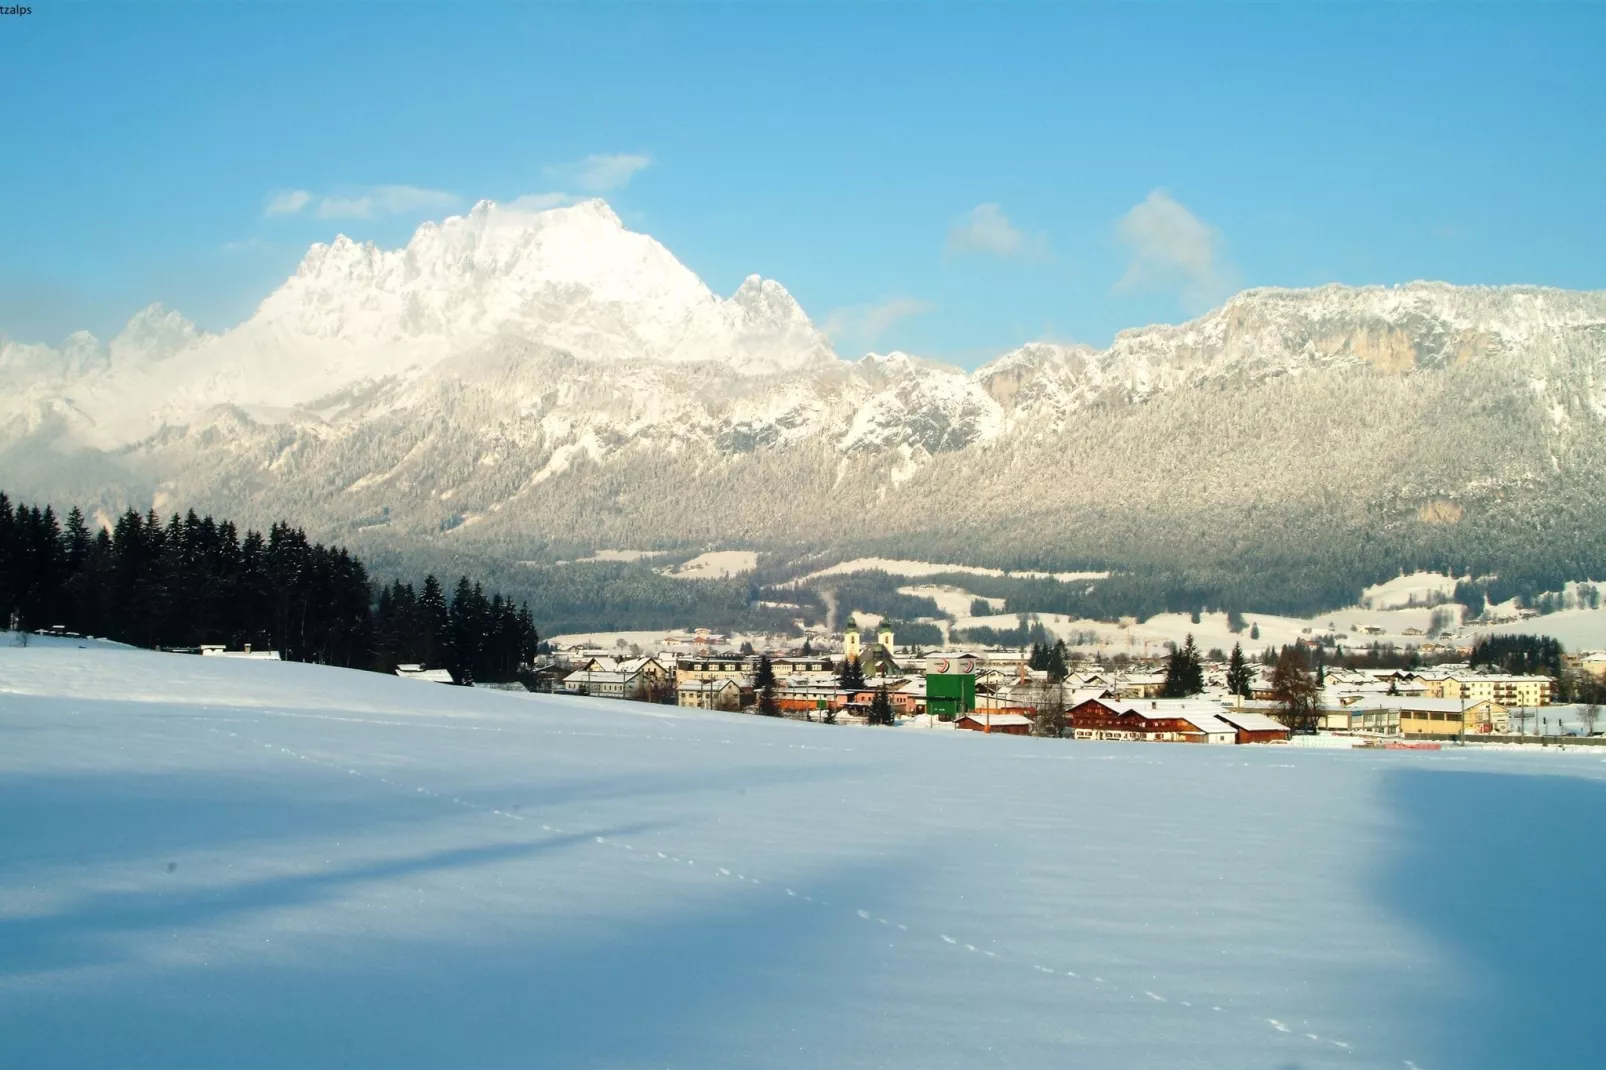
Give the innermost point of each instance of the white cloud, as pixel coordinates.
(863, 325)
(362, 202)
(602, 172)
(286, 202)
(373, 202)
(1173, 249)
(537, 202)
(986, 229)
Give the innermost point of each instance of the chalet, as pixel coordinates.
(1252, 727)
(428, 676)
(1087, 691)
(1153, 720)
(1207, 726)
(1010, 723)
(650, 671)
(218, 650)
(1137, 685)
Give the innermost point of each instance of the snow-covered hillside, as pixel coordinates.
(256, 864)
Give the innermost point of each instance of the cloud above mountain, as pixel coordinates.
(986, 230)
(601, 173)
(1173, 250)
(360, 202)
(538, 202)
(864, 325)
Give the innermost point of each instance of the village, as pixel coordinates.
(851, 677)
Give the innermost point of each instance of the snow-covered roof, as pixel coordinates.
(599, 676)
(1252, 722)
(997, 720)
(1411, 702)
(1208, 723)
(428, 676)
(715, 683)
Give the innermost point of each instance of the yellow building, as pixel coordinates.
(1451, 717)
(1507, 691)
(1390, 715)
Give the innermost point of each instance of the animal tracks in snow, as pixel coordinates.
(1181, 1006)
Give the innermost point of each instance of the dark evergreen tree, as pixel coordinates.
(1519, 654)
(193, 580)
(1057, 662)
(434, 625)
(1184, 673)
(850, 676)
(1238, 672)
(764, 681)
(881, 707)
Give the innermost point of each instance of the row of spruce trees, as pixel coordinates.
(194, 580)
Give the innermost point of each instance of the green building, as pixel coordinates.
(950, 694)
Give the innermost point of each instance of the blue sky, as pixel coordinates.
(951, 179)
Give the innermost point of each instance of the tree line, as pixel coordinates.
(194, 580)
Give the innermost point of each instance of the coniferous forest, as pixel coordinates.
(194, 580)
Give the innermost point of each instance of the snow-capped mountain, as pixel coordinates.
(527, 379)
(571, 278)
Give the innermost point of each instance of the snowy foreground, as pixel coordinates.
(208, 863)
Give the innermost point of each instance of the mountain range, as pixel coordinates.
(533, 385)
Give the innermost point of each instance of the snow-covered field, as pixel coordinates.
(227, 863)
(921, 569)
(1576, 629)
(717, 565)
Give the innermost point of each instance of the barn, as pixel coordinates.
(1256, 727)
(1010, 724)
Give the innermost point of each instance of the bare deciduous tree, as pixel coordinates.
(1050, 713)
(1298, 697)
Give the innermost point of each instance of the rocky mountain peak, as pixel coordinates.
(154, 333)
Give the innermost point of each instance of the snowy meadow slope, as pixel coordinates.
(252, 864)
